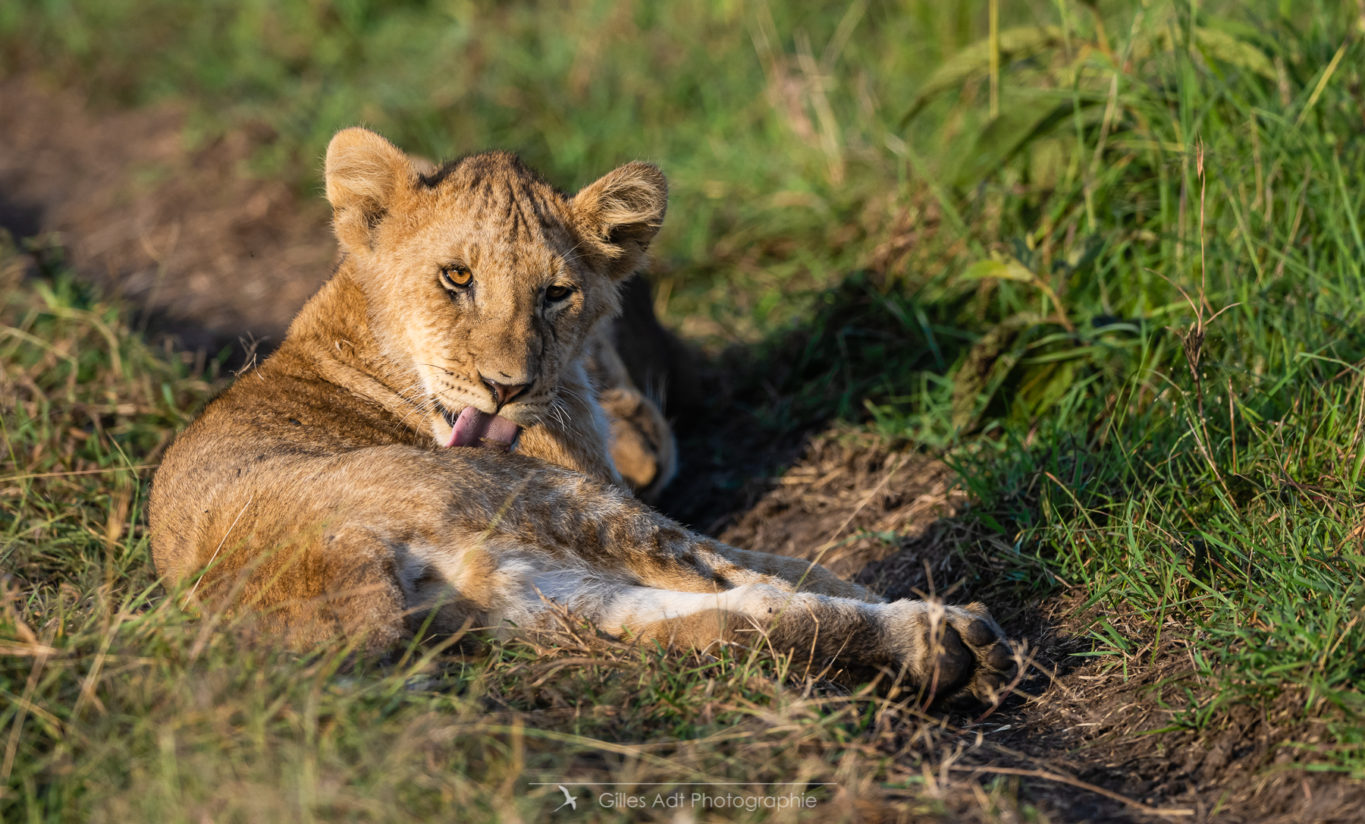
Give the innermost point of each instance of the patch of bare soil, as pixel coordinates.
(1248, 765)
(210, 253)
(1088, 739)
(214, 255)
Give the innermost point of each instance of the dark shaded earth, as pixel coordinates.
(213, 256)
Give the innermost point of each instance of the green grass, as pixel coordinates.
(1127, 306)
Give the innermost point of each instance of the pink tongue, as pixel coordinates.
(475, 428)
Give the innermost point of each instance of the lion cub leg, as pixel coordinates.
(613, 563)
(787, 572)
(941, 649)
(313, 588)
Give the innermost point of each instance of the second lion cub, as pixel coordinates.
(426, 448)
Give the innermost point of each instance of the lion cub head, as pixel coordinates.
(482, 277)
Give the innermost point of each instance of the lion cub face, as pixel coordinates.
(481, 277)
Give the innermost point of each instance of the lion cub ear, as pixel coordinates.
(364, 172)
(619, 215)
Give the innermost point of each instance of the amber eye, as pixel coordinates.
(455, 276)
(557, 292)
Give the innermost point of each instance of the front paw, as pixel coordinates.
(642, 444)
(947, 650)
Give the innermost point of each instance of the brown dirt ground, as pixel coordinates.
(214, 256)
(210, 253)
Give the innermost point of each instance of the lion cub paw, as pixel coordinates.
(642, 445)
(947, 650)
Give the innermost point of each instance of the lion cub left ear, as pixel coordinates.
(619, 216)
(364, 173)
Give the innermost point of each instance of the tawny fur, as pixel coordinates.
(315, 493)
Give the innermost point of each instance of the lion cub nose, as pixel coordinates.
(503, 393)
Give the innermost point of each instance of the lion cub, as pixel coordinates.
(426, 451)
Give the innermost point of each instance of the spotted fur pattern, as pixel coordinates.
(315, 493)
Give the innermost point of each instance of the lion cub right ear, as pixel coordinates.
(363, 172)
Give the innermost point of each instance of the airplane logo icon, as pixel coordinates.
(570, 801)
